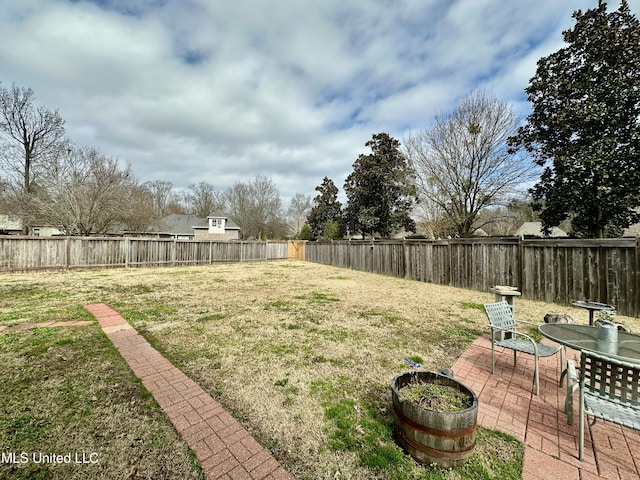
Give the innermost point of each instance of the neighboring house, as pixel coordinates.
(44, 231)
(12, 225)
(534, 229)
(190, 227)
(217, 227)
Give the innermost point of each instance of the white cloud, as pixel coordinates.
(191, 90)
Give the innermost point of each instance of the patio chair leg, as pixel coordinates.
(571, 388)
(561, 363)
(514, 358)
(581, 427)
(536, 376)
(493, 361)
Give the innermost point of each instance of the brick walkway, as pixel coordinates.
(506, 403)
(224, 448)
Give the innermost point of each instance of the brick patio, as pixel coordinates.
(507, 403)
(227, 451)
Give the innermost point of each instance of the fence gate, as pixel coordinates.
(297, 249)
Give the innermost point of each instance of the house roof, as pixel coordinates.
(10, 223)
(184, 224)
(535, 229)
(228, 225)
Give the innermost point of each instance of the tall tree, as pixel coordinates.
(203, 200)
(30, 137)
(463, 164)
(380, 190)
(89, 193)
(256, 208)
(297, 213)
(165, 199)
(584, 128)
(326, 208)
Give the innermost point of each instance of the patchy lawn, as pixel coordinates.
(71, 409)
(302, 354)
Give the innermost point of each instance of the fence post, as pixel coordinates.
(127, 250)
(637, 278)
(449, 262)
(67, 252)
(523, 286)
(174, 253)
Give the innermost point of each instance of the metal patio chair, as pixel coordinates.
(504, 334)
(609, 390)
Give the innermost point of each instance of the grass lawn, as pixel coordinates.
(302, 354)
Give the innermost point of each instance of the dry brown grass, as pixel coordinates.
(277, 343)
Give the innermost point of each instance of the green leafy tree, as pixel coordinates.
(326, 207)
(332, 230)
(305, 233)
(380, 190)
(584, 128)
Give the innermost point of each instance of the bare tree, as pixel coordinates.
(463, 164)
(88, 193)
(139, 213)
(297, 212)
(31, 137)
(256, 208)
(164, 197)
(203, 200)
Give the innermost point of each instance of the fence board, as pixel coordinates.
(35, 253)
(554, 270)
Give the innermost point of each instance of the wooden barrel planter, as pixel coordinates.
(444, 438)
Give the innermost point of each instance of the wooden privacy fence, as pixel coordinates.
(552, 270)
(36, 253)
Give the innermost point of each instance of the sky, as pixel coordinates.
(224, 90)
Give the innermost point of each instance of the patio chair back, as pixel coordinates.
(610, 378)
(609, 390)
(504, 334)
(500, 315)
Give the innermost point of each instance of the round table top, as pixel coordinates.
(592, 305)
(585, 337)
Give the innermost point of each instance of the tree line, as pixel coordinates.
(46, 179)
(573, 161)
(470, 171)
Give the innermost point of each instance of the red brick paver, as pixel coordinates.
(507, 403)
(224, 448)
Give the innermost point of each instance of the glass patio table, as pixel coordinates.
(585, 337)
(593, 307)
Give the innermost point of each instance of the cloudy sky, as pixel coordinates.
(224, 90)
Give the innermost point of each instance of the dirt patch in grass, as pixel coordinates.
(302, 354)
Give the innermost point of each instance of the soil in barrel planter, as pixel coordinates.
(436, 397)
